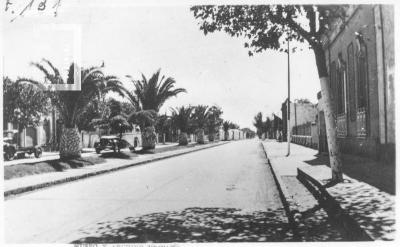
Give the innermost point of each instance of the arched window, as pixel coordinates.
(332, 81)
(341, 86)
(351, 82)
(362, 87)
(341, 79)
(362, 75)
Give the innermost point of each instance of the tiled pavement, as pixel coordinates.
(371, 208)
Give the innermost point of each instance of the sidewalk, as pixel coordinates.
(29, 183)
(371, 208)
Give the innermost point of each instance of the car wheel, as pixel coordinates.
(98, 151)
(38, 152)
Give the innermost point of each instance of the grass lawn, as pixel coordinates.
(21, 170)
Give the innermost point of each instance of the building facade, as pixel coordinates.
(301, 114)
(359, 54)
(46, 133)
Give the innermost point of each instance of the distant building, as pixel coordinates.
(360, 56)
(46, 133)
(275, 132)
(300, 115)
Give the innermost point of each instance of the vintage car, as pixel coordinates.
(10, 149)
(111, 143)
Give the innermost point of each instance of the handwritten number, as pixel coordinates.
(42, 5)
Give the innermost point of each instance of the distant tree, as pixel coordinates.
(200, 117)
(163, 125)
(258, 123)
(249, 133)
(148, 96)
(268, 127)
(181, 119)
(23, 103)
(225, 126)
(116, 120)
(96, 109)
(152, 93)
(233, 126)
(214, 121)
(271, 27)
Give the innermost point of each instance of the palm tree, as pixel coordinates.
(225, 126)
(151, 94)
(258, 123)
(214, 121)
(71, 104)
(181, 118)
(269, 132)
(148, 96)
(201, 115)
(163, 125)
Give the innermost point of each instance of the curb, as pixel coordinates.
(352, 229)
(288, 204)
(14, 192)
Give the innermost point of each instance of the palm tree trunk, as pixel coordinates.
(183, 139)
(200, 136)
(149, 138)
(211, 136)
(226, 137)
(70, 144)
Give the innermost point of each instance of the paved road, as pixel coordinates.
(226, 193)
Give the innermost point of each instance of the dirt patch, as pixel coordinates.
(165, 149)
(22, 170)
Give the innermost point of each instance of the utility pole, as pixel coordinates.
(288, 100)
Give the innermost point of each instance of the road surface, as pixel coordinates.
(226, 193)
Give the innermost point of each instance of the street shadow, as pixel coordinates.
(193, 225)
(318, 226)
(61, 165)
(319, 160)
(148, 151)
(363, 169)
(370, 207)
(118, 155)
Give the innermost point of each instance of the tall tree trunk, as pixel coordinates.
(148, 138)
(70, 143)
(200, 136)
(183, 139)
(330, 121)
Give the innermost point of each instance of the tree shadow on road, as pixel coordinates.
(193, 225)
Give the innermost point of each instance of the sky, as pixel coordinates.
(134, 39)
